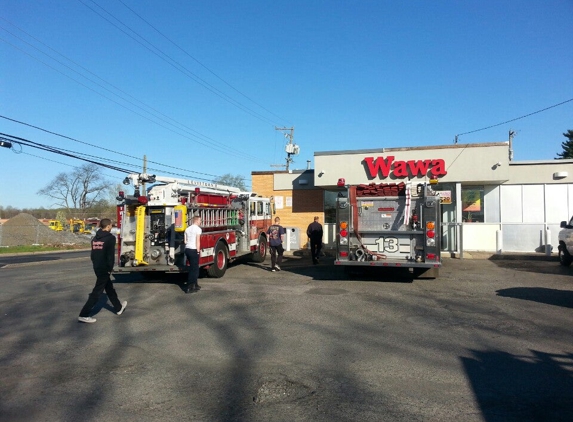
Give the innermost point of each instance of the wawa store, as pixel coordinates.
(489, 202)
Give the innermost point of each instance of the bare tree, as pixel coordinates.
(77, 191)
(230, 180)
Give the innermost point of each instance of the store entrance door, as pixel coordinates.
(450, 226)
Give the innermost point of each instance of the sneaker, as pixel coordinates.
(123, 305)
(87, 319)
(277, 267)
(273, 270)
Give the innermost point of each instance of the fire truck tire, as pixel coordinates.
(220, 261)
(261, 253)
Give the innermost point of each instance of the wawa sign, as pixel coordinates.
(386, 166)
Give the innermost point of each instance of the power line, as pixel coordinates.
(197, 61)
(54, 150)
(513, 120)
(175, 64)
(100, 147)
(79, 155)
(213, 144)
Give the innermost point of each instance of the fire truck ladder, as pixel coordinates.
(213, 218)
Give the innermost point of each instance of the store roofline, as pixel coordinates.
(385, 150)
(529, 162)
(263, 172)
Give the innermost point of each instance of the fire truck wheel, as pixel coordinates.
(219, 267)
(261, 253)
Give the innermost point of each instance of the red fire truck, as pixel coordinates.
(152, 222)
(389, 225)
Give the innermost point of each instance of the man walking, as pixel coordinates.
(192, 239)
(276, 233)
(314, 233)
(102, 256)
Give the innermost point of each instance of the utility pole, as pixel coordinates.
(291, 148)
(511, 135)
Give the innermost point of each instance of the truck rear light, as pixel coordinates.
(430, 242)
(142, 200)
(431, 256)
(431, 233)
(344, 254)
(343, 233)
(343, 225)
(344, 241)
(430, 225)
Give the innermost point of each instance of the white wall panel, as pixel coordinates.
(569, 200)
(556, 203)
(522, 237)
(533, 207)
(511, 204)
(480, 237)
(491, 203)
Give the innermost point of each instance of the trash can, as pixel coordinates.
(292, 238)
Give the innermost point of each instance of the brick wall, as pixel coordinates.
(306, 203)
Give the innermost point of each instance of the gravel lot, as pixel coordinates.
(25, 229)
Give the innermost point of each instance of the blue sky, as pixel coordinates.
(218, 76)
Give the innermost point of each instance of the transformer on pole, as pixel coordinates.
(290, 148)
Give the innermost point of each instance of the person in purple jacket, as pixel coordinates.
(276, 233)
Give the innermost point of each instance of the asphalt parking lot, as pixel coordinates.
(490, 340)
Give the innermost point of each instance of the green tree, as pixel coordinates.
(230, 180)
(567, 146)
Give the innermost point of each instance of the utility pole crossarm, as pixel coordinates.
(290, 146)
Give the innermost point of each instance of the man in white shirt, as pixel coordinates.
(192, 239)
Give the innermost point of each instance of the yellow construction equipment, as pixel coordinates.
(79, 226)
(56, 225)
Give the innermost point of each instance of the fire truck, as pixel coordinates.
(389, 225)
(152, 222)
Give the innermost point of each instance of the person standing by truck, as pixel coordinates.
(192, 240)
(276, 233)
(314, 233)
(102, 256)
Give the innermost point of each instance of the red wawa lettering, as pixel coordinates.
(384, 166)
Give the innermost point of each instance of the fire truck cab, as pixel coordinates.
(152, 223)
(389, 225)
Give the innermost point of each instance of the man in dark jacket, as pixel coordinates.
(314, 233)
(102, 255)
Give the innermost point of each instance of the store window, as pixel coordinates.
(472, 204)
(330, 206)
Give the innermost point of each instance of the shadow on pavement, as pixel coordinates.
(507, 387)
(563, 298)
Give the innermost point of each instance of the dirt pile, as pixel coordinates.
(25, 229)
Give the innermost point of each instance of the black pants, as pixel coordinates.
(315, 247)
(276, 250)
(193, 257)
(103, 282)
